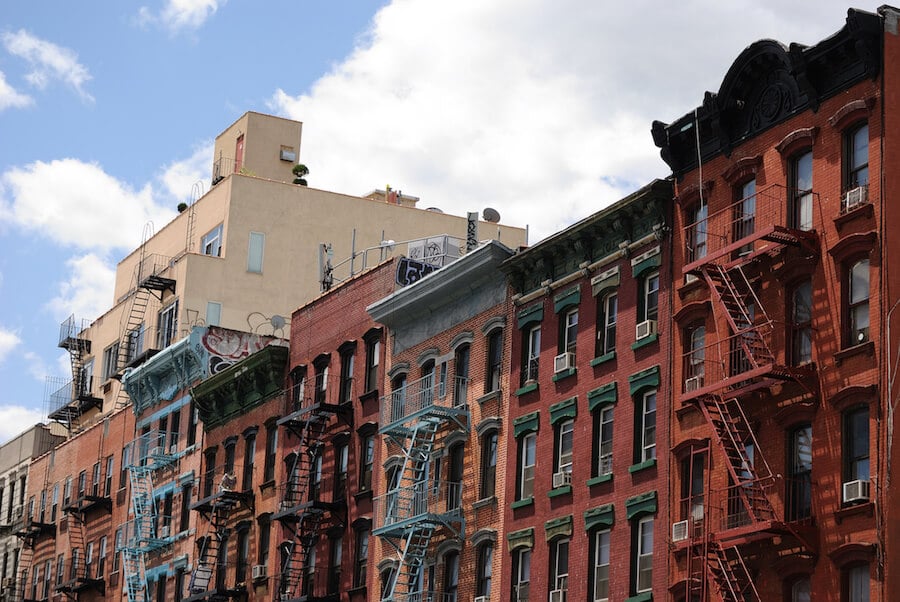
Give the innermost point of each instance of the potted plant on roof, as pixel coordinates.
(300, 172)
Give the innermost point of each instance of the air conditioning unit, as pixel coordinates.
(854, 198)
(561, 478)
(693, 383)
(258, 572)
(563, 362)
(645, 329)
(856, 491)
(481, 599)
(558, 595)
(156, 451)
(163, 532)
(173, 449)
(679, 531)
(7, 582)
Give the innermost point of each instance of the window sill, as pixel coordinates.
(689, 286)
(363, 495)
(564, 374)
(487, 501)
(606, 357)
(357, 591)
(644, 597)
(604, 478)
(644, 342)
(368, 396)
(267, 485)
(495, 394)
(565, 489)
(642, 465)
(528, 501)
(867, 348)
(528, 388)
(849, 511)
(862, 211)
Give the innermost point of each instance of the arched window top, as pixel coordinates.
(493, 323)
(398, 369)
(488, 423)
(462, 338)
(852, 113)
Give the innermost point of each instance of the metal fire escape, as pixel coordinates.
(75, 396)
(149, 454)
(303, 510)
(417, 505)
(738, 244)
(35, 528)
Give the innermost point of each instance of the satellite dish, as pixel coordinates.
(277, 322)
(491, 215)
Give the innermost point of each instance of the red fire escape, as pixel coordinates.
(733, 252)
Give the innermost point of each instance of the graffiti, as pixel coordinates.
(410, 270)
(226, 347)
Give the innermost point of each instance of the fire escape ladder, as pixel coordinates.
(76, 542)
(26, 558)
(210, 549)
(733, 290)
(734, 435)
(730, 574)
(412, 558)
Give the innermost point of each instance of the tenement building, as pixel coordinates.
(782, 416)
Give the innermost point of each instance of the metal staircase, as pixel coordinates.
(417, 504)
(22, 570)
(210, 551)
(76, 396)
(730, 574)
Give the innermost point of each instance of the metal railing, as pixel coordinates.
(154, 447)
(420, 396)
(440, 498)
(71, 328)
(719, 360)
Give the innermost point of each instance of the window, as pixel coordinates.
(346, 392)
(856, 444)
(161, 589)
(60, 568)
(48, 576)
(67, 493)
(695, 359)
(855, 583)
(398, 397)
(565, 433)
(697, 231)
(123, 467)
(54, 503)
(230, 445)
(271, 451)
(607, 312)
(857, 157)
(801, 191)
(527, 457)
(494, 360)
(603, 426)
(341, 457)
(213, 313)
(211, 243)
(367, 447)
(646, 427)
(461, 383)
(362, 558)
(744, 215)
(801, 324)
(334, 564)
(442, 380)
(315, 486)
(692, 486)
(134, 342)
(455, 475)
(179, 582)
(521, 575)
(110, 361)
(559, 565)
(858, 306)
(568, 331)
(101, 560)
(243, 553)
(531, 354)
(209, 457)
(249, 456)
(174, 429)
(799, 483)
(82, 484)
(89, 559)
(193, 418)
(255, 252)
(601, 566)
(488, 463)
(321, 384)
(167, 326)
(186, 492)
(120, 542)
(800, 590)
(484, 569)
(643, 557)
(373, 357)
(108, 477)
(451, 575)
(265, 535)
(650, 297)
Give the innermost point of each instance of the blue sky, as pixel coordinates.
(539, 108)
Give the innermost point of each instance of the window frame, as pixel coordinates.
(800, 189)
(531, 353)
(604, 421)
(361, 557)
(521, 571)
(256, 252)
(698, 238)
(643, 528)
(558, 575)
(600, 563)
(852, 460)
(493, 360)
(568, 331)
(488, 473)
(484, 569)
(526, 473)
(857, 310)
(373, 360)
(853, 168)
(801, 325)
(798, 497)
(645, 429)
(564, 456)
(167, 325)
(607, 318)
(211, 242)
(649, 308)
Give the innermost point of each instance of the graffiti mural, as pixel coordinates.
(223, 347)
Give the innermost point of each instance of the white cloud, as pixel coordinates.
(89, 290)
(16, 419)
(10, 97)
(73, 203)
(48, 62)
(9, 340)
(185, 179)
(36, 366)
(179, 15)
(539, 109)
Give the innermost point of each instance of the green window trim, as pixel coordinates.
(602, 359)
(569, 297)
(526, 389)
(564, 374)
(642, 597)
(642, 465)
(603, 395)
(603, 287)
(639, 270)
(640, 505)
(526, 423)
(523, 538)
(525, 501)
(645, 379)
(567, 408)
(535, 313)
(644, 341)
(601, 516)
(558, 526)
(559, 491)
(604, 478)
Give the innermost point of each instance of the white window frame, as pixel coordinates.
(110, 361)
(533, 355)
(643, 578)
(213, 313)
(565, 446)
(167, 325)
(650, 290)
(605, 443)
(528, 454)
(560, 579)
(648, 430)
(601, 565)
(523, 575)
(570, 330)
(607, 333)
(211, 243)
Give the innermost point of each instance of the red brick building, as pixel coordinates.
(440, 489)
(782, 421)
(587, 431)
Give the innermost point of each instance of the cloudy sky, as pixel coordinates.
(538, 108)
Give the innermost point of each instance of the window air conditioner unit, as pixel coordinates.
(563, 362)
(156, 451)
(259, 572)
(163, 532)
(173, 449)
(558, 595)
(854, 198)
(7, 582)
(693, 383)
(645, 329)
(679, 531)
(481, 599)
(856, 491)
(561, 478)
